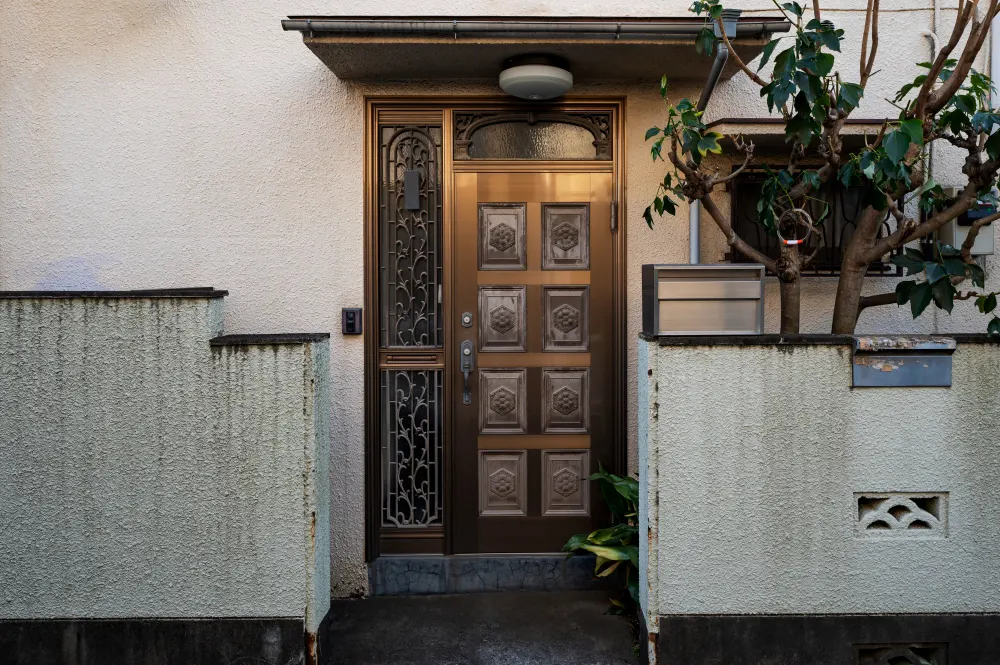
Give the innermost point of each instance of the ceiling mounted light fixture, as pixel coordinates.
(536, 77)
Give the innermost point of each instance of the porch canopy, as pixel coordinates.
(768, 134)
(636, 49)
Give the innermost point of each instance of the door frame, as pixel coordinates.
(434, 108)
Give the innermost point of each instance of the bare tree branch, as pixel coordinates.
(816, 10)
(970, 239)
(734, 240)
(864, 42)
(739, 61)
(908, 232)
(876, 301)
(747, 150)
(871, 22)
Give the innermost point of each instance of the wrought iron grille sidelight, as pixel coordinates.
(845, 207)
(412, 460)
(410, 251)
(411, 262)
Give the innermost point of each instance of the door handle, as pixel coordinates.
(467, 362)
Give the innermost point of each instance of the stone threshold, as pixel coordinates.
(415, 575)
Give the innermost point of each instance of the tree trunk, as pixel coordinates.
(791, 298)
(845, 309)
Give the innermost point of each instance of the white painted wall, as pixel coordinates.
(156, 143)
(144, 473)
(749, 460)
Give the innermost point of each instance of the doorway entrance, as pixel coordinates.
(495, 381)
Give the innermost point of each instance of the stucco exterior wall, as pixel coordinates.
(145, 473)
(752, 459)
(158, 143)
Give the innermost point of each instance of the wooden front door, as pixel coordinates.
(533, 370)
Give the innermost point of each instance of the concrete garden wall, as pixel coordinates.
(152, 469)
(771, 487)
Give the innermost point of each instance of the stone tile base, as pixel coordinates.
(935, 639)
(402, 575)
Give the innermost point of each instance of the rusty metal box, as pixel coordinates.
(722, 299)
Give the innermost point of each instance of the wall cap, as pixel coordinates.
(194, 292)
(818, 340)
(876, 344)
(264, 340)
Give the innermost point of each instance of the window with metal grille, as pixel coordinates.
(845, 207)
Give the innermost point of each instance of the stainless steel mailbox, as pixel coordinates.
(723, 299)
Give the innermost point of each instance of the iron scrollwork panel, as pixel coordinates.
(412, 448)
(410, 243)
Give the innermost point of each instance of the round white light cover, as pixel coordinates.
(536, 81)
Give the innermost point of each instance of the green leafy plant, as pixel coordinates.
(616, 546)
(803, 77)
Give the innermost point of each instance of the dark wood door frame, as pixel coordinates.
(424, 110)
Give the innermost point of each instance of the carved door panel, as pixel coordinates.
(533, 270)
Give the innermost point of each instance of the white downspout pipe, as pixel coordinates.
(729, 20)
(932, 36)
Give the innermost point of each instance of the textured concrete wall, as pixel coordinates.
(144, 473)
(751, 458)
(175, 142)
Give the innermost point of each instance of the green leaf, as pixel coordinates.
(830, 38)
(944, 294)
(794, 8)
(669, 206)
(799, 127)
(849, 97)
(934, 272)
(651, 132)
(912, 265)
(648, 216)
(955, 267)
(824, 64)
(983, 121)
(977, 274)
(845, 174)
(663, 86)
(994, 327)
(920, 298)
(990, 304)
(607, 571)
(896, 144)
(608, 552)
(993, 145)
(914, 129)
(903, 290)
(966, 103)
(766, 53)
(710, 143)
(689, 140)
(705, 41)
(575, 542)
(784, 63)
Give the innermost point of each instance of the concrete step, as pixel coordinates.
(513, 628)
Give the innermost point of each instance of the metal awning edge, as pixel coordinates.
(506, 28)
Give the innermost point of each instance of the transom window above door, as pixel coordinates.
(531, 135)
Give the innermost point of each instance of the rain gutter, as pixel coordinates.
(639, 29)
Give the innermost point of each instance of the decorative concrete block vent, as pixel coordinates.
(902, 654)
(902, 514)
(164, 489)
